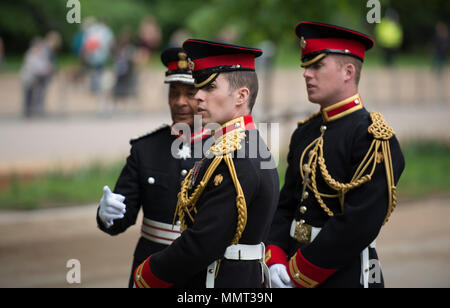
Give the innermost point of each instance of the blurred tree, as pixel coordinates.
(254, 20)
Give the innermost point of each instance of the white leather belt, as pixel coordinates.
(365, 265)
(241, 252)
(159, 232)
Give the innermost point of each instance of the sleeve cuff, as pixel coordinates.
(144, 278)
(274, 255)
(304, 274)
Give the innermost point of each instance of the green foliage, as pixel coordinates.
(254, 20)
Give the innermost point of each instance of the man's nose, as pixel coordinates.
(181, 101)
(199, 95)
(307, 73)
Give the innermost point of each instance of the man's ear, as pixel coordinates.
(242, 96)
(349, 71)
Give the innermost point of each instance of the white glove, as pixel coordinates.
(111, 207)
(280, 277)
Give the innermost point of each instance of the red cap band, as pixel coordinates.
(171, 66)
(244, 60)
(354, 47)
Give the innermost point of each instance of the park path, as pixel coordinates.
(414, 247)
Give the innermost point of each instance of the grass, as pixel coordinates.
(59, 188)
(427, 173)
(427, 170)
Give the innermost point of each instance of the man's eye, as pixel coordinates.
(210, 86)
(317, 65)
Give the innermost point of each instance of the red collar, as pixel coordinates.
(245, 122)
(342, 108)
(194, 137)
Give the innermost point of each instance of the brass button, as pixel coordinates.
(305, 195)
(323, 128)
(183, 172)
(151, 180)
(301, 221)
(303, 209)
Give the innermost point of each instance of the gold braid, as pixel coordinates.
(240, 201)
(222, 150)
(382, 133)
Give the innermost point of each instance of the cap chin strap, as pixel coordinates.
(313, 60)
(205, 82)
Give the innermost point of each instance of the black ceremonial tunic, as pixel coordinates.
(150, 157)
(343, 236)
(184, 263)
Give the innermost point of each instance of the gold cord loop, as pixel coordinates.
(379, 151)
(222, 149)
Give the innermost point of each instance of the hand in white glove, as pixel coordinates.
(111, 207)
(280, 277)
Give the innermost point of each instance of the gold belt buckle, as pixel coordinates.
(302, 232)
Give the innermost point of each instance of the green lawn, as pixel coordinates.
(427, 172)
(60, 188)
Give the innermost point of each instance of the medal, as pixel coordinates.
(184, 152)
(195, 172)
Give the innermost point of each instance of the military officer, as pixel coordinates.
(228, 199)
(151, 176)
(343, 166)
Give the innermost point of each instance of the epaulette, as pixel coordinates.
(379, 129)
(308, 119)
(134, 139)
(228, 143)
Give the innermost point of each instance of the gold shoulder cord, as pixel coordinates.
(222, 150)
(378, 152)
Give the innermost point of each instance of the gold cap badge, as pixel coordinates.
(182, 63)
(302, 42)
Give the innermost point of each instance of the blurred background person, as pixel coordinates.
(97, 42)
(38, 67)
(2, 53)
(389, 35)
(124, 67)
(440, 47)
(149, 39)
(178, 37)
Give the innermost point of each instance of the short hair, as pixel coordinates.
(248, 79)
(341, 60)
